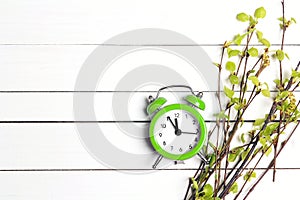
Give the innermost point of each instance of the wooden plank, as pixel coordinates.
(104, 106)
(55, 68)
(58, 146)
(90, 22)
(116, 185)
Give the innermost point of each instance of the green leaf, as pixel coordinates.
(243, 138)
(234, 153)
(259, 122)
(280, 19)
(194, 184)
(268, 151)
(263, 141)
(217, 64)
(260, 12)
(259, 35)
(248, 176)
(232, 53)
(230, 66)
(234, 79)
(287, 55)
(252, 21)
(228, 92)
(239, 106)
(279, 55)
(265, 42)
(244, 154)
(234, 188)
(221, 115)
(212, 160)
(243, 17)
(195, 187)
(254, 80)
(238, 39)
(293, 20)
(266, 92)
(232, 157)
(208, 190)
(253, 52)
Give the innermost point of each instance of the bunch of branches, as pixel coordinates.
(233, 167)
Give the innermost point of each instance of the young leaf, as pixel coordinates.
(266, 92)
(268, 151)
(265, 42)
(279, 55)
(293, 20)
(287, 55)
(212, 160)
(243, 17)
(228, 92)
(259, 35)
(248, 176)
(221, 115)
(234, 79)
(234, 188)
(253, 52)
(243, 138)
(230, 66)
(232, 53)
(238, 39)
(244, 154)
(208, 190)
(232, 157)
(259, 122)
(260, 12)
(254, 80)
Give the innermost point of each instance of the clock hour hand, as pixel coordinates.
(175, 127)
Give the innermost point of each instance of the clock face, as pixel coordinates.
(177, 131)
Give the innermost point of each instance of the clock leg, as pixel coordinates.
(157, 161)
(202, 157)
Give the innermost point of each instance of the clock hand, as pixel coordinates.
(183, 132)
(176, 123)
(175, 127)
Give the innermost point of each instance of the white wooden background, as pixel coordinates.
(43, 44)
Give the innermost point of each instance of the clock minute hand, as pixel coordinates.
(175, 127)
(183, 132)
(176, 123)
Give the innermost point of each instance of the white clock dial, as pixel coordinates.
(177, 131)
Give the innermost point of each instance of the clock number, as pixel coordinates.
(163, 125)
(194, 122)
(160, 134)
(186, 115)
(176, 115)
(190, 146)
(180, 149)
(197, 130)
(196, 139)
(172, 147)
(164, 143)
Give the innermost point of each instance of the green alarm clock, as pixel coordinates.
(177, 131)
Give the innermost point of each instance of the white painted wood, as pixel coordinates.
(44, 68)
(90, 22)
(63, 34)
(115, 185)
(60, 106)
(58, 146)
